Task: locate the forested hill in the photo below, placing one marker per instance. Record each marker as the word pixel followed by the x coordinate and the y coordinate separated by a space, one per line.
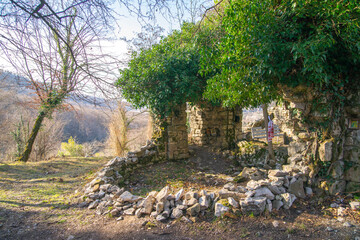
pixel 83 121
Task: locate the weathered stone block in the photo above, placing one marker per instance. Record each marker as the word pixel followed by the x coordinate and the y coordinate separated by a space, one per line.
pixel 220 209
pixel 254 205
pixel 297 188
pixel 325 151
pixel 337 171
pixel 352 187
pixel 337 187
pixel 296 147
pixel 353 174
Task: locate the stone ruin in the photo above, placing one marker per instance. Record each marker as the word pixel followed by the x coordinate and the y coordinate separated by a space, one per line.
pixel 265 190
pixel 209 125
pixel 337 157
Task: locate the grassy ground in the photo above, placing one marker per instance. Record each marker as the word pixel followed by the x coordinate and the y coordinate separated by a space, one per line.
pixel 44 182
pixel 44 186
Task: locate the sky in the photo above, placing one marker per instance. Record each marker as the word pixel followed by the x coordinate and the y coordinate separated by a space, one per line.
pixel 129 26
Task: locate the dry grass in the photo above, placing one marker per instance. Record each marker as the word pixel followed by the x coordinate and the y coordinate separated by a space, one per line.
pixel 118 128
pixel 128 130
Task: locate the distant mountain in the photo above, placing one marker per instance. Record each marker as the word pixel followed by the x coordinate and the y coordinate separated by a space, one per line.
pixel 11 81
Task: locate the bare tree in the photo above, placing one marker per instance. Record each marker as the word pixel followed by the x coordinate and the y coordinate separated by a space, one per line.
pixel 60 61
pixel 55 45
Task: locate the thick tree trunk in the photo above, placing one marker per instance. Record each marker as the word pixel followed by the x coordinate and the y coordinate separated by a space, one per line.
pixel 270 146
pixel 28 148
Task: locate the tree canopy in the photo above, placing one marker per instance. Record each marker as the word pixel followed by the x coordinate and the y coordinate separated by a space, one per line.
pixel 269 43
pixel 165 75
pixel 246 50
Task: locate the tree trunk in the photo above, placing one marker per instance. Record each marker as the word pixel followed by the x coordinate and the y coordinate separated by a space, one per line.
pixel 28 148
pixel 270 146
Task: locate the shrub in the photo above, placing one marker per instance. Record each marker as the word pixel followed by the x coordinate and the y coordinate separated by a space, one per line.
pixel 71 148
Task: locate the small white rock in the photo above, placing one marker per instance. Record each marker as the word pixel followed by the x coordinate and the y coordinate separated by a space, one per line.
pixel 275 223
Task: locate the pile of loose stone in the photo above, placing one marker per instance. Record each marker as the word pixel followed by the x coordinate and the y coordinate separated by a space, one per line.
pixel 266 190
pixel 117 169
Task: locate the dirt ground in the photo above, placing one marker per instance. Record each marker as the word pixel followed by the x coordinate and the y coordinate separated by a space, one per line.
pixel 35 203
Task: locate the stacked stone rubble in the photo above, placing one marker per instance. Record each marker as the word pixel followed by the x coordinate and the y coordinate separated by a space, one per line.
pixel 119 168
pixel 266 190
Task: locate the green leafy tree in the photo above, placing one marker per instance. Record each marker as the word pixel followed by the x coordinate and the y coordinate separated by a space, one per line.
pixel 267 44
pixel 165 75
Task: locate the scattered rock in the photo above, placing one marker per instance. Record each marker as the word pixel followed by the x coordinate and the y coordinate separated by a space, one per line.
pixel 252 173
pixel 179 194
pixel 277 173
pixel 220 209
pixel 148 204
pixel 191 201
pixel 347 224
pixel 230 186
pixel 115 212
pixel 159 207
pixel 355 205
pixel 194 210
pixel 129 211
pixel 277 204
pixel 185 219
pixel 127 197
pixel 224 193
pixel 204 202
pixel 161 218
pixel 176 213
pixel 275 223
pixel 233 203
pixel 138 213
pixel 264 192
pixel 288 199
pixel 297 188
pixel 253 185
pixel 93 204
pixel 162 195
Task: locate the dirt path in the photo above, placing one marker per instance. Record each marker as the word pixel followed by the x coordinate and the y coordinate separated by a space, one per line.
pixel 34 205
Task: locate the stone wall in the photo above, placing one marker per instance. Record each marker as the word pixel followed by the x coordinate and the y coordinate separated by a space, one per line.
pixel 214 125
pixel 177 137
pixel 331 159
